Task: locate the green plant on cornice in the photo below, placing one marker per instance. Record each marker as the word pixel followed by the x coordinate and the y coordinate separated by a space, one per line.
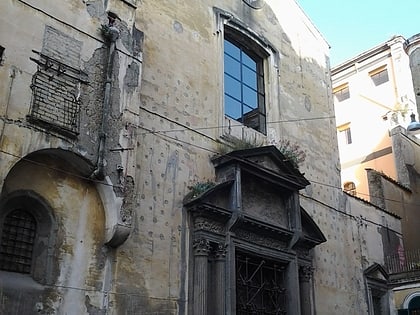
pixel 234 144
pixel 291 151
pixel 200 187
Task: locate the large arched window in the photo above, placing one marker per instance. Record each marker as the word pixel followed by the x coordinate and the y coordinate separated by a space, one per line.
pixel 411 305
pixel 244 90
pixel 244 85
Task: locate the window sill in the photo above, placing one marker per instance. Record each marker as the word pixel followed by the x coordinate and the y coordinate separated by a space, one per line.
pixel 235 129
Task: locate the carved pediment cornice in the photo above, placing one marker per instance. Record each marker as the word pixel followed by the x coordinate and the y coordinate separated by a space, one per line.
pixel 263 228
pixel 267 163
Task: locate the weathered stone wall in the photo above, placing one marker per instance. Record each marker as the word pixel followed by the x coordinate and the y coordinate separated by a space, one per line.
pixel 52 95
pixel 358 235
pixel 165 123
pixel 182 120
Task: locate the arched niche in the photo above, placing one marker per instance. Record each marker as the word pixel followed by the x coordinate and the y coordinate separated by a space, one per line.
pixel 64 163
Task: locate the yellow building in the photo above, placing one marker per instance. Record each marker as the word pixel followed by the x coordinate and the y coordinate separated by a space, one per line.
pixel 373 92
pixel 376 109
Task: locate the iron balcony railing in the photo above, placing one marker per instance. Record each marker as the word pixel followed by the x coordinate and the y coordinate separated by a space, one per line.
pixel 403 261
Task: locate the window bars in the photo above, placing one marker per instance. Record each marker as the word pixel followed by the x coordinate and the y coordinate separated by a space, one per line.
pixel 17 242
pixel 260 286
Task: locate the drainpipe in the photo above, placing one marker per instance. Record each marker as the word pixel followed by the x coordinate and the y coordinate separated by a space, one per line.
pixel 111 37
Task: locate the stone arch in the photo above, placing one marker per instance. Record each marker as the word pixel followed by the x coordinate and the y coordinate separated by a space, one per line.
pixel 411 299
pixel 68 163
pixel 54 185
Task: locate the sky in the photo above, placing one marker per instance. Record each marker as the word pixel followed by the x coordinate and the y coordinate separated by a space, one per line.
pixel 352 27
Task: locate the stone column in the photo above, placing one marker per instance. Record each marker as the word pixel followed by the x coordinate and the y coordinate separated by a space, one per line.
pixel 201 253
pixel 305 277
pixel 220 280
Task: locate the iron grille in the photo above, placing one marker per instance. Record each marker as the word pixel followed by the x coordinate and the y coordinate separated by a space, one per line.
pixel 55 102
pixel 260 286
pixel 17 242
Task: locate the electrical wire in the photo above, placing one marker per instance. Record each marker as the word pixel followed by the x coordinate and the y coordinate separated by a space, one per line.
pixel 197 129
pixel 74 27
pixel 215 153
pixel 164 132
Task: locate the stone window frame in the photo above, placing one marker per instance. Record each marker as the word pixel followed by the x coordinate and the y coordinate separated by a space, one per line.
pixel 377 280
pixel 261 47
pixel 255 118
pixel 212 255
pixel 42 264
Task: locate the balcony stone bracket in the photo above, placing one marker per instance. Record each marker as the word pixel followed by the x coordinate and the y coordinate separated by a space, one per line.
pixel 117 223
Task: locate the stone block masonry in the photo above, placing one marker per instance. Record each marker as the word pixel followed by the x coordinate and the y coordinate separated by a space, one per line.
pixel 61 47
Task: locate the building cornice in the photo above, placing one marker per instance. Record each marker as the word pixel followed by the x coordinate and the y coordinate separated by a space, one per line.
pixel 383 47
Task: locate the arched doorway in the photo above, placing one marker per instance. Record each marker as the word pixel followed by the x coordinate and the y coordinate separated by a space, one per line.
pixel 411 305
pixel 414 305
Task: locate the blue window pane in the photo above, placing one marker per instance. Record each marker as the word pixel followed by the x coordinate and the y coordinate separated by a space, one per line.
pixel 232 108
pixel 250 97
pixel 247 110
pixel 232 66
pixel 232 50
pixel 232 87
pixel 243 84
pixel 248 61
pixel 249 77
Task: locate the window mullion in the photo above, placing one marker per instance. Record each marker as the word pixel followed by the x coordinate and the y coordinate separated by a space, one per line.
pixel 242 85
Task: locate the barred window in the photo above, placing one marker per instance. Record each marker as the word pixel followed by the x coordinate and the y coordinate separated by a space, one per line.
pixel 17 241
pixel 260 286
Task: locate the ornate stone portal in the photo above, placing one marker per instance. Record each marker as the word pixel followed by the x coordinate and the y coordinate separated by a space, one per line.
pixel 251 239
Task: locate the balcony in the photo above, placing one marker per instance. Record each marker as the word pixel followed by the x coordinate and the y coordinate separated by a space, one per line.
pixel 403 266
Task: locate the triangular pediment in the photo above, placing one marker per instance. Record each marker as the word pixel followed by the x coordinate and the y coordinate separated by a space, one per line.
pixel 219 196
pixel 376 272
pixel 265 162
pixel 311 232
pixel 255 196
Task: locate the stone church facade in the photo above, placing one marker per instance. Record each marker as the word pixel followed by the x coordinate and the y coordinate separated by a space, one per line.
pixel 148 164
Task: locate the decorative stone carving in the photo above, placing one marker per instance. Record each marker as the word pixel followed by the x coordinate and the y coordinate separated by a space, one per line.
pixel 220 251
pixel 201 247
pixel 211 226
pixel 303 253
pixel 260 239
pixel 306 273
